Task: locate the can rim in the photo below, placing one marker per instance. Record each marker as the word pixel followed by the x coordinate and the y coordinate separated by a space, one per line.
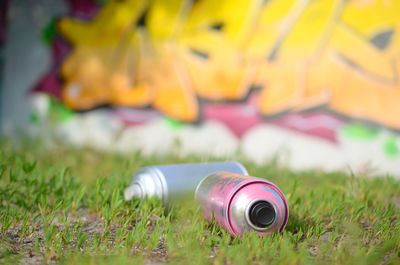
pixel 158 179
pixel 253 180
pixel 247 215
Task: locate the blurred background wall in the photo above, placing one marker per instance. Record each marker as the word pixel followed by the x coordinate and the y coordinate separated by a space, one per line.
pixel 311 84
pixel 24 56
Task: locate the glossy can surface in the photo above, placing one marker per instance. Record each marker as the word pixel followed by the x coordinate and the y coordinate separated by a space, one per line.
pixel 170 181
pixel 242 203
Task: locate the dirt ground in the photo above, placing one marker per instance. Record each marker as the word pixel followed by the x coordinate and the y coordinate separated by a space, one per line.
pixel 26 247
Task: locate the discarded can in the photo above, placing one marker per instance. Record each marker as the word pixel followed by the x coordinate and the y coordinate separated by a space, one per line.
pixel 242 203
pixel 171 181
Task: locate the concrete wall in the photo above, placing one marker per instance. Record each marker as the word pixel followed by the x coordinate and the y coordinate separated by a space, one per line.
pixel 26 58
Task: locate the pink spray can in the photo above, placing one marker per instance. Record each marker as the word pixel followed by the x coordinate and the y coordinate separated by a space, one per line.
pixel 242 203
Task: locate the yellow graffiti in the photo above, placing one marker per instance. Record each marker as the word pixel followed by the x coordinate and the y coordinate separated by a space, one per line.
pixel 334 53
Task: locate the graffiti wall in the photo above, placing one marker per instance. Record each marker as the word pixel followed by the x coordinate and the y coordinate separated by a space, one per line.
pixel 3 12
pixel 310 83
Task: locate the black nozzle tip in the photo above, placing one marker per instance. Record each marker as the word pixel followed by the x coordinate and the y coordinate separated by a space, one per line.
pixel 262 214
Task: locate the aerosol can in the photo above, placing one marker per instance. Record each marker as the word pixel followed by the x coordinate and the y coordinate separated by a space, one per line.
pixel 168 182
pixel 242 203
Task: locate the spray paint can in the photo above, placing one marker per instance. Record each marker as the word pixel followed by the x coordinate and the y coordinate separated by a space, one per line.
pixel 168 182
pixel 242 203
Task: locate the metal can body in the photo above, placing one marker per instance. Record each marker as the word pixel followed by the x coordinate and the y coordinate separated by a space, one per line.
pixel 170 181
pixel 242 203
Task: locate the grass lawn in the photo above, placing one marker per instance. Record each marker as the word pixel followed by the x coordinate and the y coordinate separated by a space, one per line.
pixel 65 205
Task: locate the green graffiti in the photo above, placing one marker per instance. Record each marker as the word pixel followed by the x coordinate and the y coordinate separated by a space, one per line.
pixel 101 2
pixel 359 131
pixel 58 111
pixel 49 31
pixel 390 147
pixel 34 118
pixel 173 124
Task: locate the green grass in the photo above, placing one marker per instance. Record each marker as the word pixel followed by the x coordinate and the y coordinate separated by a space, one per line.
pixel 65 205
